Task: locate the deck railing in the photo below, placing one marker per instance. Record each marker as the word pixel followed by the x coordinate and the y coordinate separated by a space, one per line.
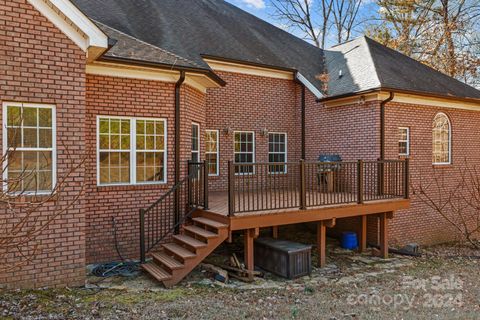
pixel 285 185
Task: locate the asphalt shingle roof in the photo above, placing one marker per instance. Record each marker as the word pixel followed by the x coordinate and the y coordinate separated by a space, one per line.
pixel 131 48
pixel 366 65
pixel 183 32
pixel 195 28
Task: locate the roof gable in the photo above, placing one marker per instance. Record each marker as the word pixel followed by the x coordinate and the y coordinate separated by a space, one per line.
pixel 73 23
pixel 368 65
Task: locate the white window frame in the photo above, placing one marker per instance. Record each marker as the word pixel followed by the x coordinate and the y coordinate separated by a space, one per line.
pixel 217 153
pixel 133 152
pixel 253 152
pixel 53 149
pixel 407 141
pixel 286 152
pixel 195 124
pixel 449 140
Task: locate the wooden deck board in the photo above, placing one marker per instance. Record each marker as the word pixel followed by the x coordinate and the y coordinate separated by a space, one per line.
pixel 218 206
pixel 281 201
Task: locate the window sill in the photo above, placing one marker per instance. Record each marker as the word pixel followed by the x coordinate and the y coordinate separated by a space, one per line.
pixel 33 198
pixel 442 165
pixel 128 187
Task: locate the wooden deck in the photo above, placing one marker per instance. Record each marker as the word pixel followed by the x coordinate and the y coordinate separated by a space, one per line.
pixel 310 192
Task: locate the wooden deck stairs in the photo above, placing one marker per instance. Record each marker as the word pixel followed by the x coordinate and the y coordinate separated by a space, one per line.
pixel 177 259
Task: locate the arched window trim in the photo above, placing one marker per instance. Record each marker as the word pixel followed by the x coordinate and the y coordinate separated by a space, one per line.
pixel 449 139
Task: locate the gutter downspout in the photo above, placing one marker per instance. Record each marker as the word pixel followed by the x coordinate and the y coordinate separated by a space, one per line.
pixel 382 124
pixel 178 85
pixel 303 122
pixel 381 167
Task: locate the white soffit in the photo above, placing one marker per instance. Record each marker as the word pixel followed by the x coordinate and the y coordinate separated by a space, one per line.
pixel 71 21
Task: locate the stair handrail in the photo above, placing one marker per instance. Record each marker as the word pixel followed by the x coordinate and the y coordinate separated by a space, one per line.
pixel 142 212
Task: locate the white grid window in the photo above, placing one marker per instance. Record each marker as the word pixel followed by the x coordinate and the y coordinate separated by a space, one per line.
pixel 29 145
pixel 150 145
pixel 403 141
pixel 195 142
pixel 441 143
pixel 211 151
pixel 277 152
pixel 131 150
pixel 244 151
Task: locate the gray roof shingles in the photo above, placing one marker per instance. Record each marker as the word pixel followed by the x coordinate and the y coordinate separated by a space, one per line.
pixel 195 28
pixel 182 32
pixel 368 65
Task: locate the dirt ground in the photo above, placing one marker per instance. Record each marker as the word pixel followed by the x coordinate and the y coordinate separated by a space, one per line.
pixel 442 284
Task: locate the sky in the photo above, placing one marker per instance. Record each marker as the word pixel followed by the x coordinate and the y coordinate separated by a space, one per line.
pixel 263 10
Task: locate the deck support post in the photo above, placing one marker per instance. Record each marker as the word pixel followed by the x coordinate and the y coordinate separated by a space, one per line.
pixel 248 247
pixel 275 232
pixel 384 234
pixel 303 186
pixel 363 234
pixel 321 242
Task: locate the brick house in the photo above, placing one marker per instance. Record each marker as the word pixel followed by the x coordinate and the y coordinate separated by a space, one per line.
pixel 128 94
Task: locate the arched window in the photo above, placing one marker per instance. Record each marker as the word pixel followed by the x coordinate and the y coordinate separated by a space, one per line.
pixel 441 139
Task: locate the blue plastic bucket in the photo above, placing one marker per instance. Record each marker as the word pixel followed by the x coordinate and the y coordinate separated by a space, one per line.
pixel 349 240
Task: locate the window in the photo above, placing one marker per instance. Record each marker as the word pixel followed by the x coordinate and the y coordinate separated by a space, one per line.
pixel 277 152
pixel 403 141
pixel 195 142
pixel 244 146
pixel 441 143
pixel 29 144
pixel 150 150
pixel 131 150
pixel 211 151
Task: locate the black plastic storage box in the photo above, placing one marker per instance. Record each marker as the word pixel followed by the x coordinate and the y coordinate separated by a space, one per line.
pixel 284 258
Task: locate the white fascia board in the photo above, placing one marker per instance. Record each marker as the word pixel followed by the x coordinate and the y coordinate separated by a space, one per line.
pixel 78 27
pixel 309 85
pixel 96 36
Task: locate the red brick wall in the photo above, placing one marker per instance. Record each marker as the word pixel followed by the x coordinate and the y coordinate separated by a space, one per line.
pixel 39 64
pixel 421 224
pixel 351 131
pixel 131 98
pixel 253 103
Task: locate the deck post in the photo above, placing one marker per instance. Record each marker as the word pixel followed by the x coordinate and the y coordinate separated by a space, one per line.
pixel 360 181
pixel 205 184
pixel 231 190
pixel 381 177
pixel 248 247
pixel 406 180
pixel 275 232
pixel 384 235
pixel 363 234
pixel 303 186
pixel 321 243
pixel 189 184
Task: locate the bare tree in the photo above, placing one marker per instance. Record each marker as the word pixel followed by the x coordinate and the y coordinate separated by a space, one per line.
pixel 345 14
pixel 443 34
pixel 455 200
pixel 316 20
pixel 25 216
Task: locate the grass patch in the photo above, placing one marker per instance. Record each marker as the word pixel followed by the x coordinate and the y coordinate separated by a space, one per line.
pixel 128 298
